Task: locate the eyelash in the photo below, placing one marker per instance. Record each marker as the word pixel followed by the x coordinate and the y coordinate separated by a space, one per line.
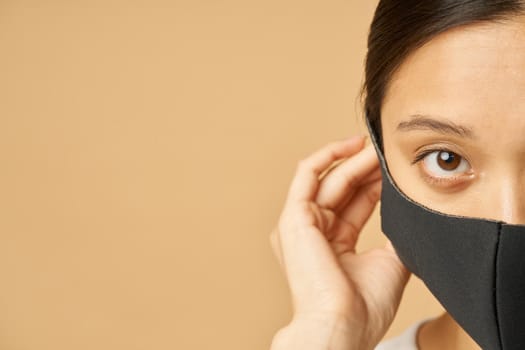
pixel 420 156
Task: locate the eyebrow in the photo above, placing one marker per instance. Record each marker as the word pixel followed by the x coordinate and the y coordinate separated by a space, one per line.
pixel 440 125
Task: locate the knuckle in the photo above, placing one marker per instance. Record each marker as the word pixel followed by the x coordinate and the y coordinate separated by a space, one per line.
pixel 373 195
pixel 281 228
pixel 273 235
pixel 332 150
pixel 302 164
pixel 333 144
pixel 272 242
pixel 350 179
pixel 286 228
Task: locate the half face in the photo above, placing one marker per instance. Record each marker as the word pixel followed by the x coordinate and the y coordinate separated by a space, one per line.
pixel 453 122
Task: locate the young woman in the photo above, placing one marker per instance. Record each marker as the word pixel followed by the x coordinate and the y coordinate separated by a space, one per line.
pixel 445 97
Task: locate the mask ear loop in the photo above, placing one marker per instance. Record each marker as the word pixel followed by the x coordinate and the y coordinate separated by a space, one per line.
pixel 384 166
pixel 388 186
pixel 375 138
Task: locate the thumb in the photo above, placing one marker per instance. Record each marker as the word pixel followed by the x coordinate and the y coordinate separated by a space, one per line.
pixel 405 273
pixel 390 246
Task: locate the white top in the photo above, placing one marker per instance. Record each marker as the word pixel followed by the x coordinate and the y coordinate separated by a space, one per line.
pixel 405 341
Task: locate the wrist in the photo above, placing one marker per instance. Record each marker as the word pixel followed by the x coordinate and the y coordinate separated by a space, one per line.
pixel 321 332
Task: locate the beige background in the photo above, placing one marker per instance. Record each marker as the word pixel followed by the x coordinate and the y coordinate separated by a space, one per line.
pixel 146 148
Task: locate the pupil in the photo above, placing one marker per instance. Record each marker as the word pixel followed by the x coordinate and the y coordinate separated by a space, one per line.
pixel 448 160
pixel 447 157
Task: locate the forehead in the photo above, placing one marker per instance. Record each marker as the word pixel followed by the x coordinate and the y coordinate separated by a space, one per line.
pixel 473 74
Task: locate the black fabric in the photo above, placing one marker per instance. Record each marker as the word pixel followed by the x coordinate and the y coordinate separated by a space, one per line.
pixel 475 267
pixel 510 286
pixel 456 271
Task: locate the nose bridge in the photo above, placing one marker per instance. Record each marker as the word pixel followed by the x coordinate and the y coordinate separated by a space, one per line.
pixel 510 196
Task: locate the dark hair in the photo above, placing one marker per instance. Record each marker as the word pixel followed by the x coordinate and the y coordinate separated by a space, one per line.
pixel 399 27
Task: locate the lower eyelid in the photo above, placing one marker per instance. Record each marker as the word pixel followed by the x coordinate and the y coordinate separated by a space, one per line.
pixel 446 181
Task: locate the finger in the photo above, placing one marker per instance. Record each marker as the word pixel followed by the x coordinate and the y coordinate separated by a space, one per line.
pixel 389 247
pixel 311 268
pixel 306 181
pixel 341 183
pixel 374 176
pixel 356 214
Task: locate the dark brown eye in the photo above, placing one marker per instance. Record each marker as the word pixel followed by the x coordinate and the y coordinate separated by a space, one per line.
pixel 443 163
pixel 448 160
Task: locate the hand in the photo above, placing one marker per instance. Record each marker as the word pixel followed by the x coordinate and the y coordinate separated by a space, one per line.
pixel 356 295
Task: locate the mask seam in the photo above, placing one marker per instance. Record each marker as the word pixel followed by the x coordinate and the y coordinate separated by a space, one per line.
pixel 496 265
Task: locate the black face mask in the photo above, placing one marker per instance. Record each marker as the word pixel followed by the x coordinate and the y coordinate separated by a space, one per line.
pixel 475 267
